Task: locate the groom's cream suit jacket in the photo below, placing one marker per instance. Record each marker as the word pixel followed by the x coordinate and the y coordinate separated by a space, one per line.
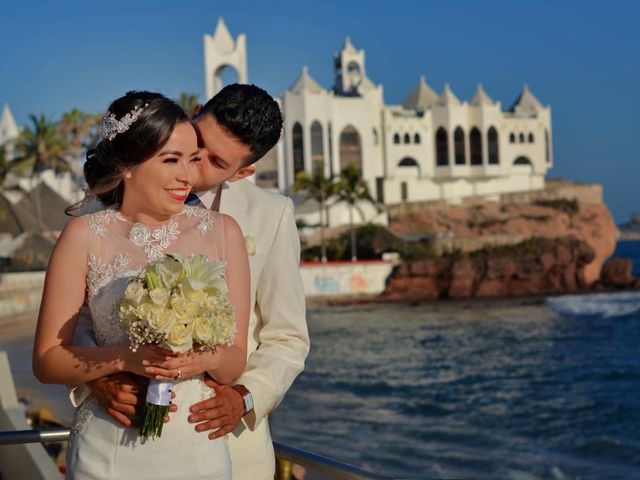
pixel 278 338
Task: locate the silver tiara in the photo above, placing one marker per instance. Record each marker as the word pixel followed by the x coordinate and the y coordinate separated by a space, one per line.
pixel 111 126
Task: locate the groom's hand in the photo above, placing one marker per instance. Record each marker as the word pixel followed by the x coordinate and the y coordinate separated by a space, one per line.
pixel 222 412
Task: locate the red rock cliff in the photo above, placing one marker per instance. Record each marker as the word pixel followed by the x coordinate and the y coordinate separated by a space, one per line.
pixel 562 210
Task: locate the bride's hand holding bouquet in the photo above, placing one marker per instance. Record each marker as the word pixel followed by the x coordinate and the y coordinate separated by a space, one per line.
pixel 179 304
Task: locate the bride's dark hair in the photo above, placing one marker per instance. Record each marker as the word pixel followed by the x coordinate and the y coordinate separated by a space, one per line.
pixel 145 136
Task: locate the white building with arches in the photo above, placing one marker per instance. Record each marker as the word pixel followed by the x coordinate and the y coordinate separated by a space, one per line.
pixel 430 147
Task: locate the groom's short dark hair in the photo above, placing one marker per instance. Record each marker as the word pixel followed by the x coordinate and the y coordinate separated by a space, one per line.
pixel 250 115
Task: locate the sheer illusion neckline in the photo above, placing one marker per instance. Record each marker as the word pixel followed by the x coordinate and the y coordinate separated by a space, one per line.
pixel 154 240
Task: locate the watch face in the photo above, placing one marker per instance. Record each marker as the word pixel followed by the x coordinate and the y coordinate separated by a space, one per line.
pixel 248 402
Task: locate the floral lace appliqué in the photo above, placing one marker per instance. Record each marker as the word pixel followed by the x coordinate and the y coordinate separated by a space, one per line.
pixel 156 241
pixel 100 274
pixel 206 218
pixel 83 414
pixel 99 220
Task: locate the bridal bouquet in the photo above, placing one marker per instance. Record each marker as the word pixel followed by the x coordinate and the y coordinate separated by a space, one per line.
pixel 178 303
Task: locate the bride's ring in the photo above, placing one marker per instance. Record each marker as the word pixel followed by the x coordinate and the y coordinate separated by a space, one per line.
pixel 179 376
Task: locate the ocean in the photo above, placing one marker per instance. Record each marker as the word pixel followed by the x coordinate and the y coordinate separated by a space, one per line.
pixel 517 389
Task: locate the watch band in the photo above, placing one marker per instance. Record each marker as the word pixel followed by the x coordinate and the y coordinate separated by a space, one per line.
pixel 247 398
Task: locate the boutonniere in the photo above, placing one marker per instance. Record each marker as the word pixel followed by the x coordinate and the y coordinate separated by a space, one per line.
pixel 250 244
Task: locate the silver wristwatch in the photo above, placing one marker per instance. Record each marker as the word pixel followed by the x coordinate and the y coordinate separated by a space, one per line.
pixel 247 398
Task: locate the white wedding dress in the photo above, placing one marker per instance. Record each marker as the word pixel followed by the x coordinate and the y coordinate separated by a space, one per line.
pixel 100 447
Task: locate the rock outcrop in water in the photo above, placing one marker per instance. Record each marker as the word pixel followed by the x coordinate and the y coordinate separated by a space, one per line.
pixel 617 273
pixel 539 266
pixel 535 243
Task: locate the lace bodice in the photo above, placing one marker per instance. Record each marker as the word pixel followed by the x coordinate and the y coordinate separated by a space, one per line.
pixel 118 250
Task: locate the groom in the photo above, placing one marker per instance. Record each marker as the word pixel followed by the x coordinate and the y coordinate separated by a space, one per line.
pixel 239 126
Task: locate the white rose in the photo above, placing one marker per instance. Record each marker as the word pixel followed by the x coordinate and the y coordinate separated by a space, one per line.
pixel 250 244
pixel 160 319
pixel 202 330
pixel 179 307
pixel 159 296
pixel 135 293
pixel 143 309
pixel 179 338
pixel 193 309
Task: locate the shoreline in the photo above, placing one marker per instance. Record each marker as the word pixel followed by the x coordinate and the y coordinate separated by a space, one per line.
pixel 346 300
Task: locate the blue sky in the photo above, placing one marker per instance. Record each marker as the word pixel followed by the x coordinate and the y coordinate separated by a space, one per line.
pixel 582 58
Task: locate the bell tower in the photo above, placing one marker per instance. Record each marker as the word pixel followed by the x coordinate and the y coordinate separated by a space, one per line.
pixel 349 71
pixel 220 51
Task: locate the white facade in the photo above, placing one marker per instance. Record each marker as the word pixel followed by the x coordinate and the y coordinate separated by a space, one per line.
pixel 431 147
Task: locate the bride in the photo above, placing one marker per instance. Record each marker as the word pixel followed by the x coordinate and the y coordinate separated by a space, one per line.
pixel 142 171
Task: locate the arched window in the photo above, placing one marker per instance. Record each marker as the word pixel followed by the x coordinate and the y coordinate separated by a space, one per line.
pixel 416 139
pixel 396 138
pixel 547 147
pixel 458 146
pixel 475 146
pixel 522 161
pixel 442 148
pixel 492 142
pixel 408 162
pixel 298 148
pixel 375 136
pixel 317 147
pixel 521 138
pixel 407 138
pixel 408 167
pixel 530 137
pixel 224 75
pixel 512 138
pixel 350 149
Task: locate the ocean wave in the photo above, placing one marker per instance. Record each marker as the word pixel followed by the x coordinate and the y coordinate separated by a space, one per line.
pixel 604 305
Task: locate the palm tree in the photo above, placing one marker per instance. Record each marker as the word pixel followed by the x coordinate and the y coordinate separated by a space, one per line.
pixel 350 189
pixel 188 102
pixel 80 129
pixel 39 148
pixel 319 188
